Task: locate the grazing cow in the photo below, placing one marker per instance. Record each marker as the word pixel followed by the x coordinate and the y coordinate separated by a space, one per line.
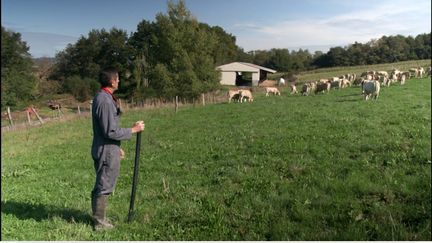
pixel 306 89
pixel 323 87
pixel 323 80
pixel 420 72
pixel 293 88
pixel 333 79
pixel 358 81
pixel 233 95
pixel 383 73
pixel 402 79
pixel 395 71
pixel 272 90
pixel 245 93
pixel 54 105
pixel 408 74
pixel 393 78
pixel 371 88
pixel 414 72
pixel 345 83
pixel 313 85
pixel 336 84
pixel 281 82
pixel 385 81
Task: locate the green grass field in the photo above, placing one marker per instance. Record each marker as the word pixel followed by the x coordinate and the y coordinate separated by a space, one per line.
pixel 322 167
pixel 339 71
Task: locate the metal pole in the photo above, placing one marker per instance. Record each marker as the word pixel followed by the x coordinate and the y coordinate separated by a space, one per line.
pixel 135 177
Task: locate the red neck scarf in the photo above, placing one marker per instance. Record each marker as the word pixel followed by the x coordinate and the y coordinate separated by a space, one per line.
pixel 110 92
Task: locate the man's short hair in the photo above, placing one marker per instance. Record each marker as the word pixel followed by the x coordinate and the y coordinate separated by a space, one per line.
pixel 106 75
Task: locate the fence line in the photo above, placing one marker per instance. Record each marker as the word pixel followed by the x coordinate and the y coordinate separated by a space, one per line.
pixel 146 104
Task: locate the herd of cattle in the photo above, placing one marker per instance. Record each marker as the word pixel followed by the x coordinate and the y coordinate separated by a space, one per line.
pixel 370 82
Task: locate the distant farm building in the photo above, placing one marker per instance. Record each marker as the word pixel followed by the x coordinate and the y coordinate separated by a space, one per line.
pixel 243 74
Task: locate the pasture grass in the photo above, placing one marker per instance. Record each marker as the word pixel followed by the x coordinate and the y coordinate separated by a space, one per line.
pixel 320 73
pixel 323 167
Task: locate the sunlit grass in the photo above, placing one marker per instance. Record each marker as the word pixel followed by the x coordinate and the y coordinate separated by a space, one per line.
pixel 322 167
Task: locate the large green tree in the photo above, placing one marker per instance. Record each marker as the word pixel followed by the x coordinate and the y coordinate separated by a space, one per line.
pixel 18 84
pixel 88 55
pixel 179 53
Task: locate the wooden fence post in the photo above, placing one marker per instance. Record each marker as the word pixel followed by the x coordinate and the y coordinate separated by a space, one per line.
pixel 28 117
pixel 203 99
pixel 90 106
pixel 79 111
pixel 37 115
pixel 176 103
pixel 60 113
pixel 10 117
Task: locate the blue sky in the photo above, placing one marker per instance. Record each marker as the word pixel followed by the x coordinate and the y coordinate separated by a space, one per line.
pixel 47 26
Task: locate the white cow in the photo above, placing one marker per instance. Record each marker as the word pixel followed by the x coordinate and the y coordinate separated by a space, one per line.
pixel 345 83
pixel 233 95
pixel 244 93
pixel 272 90
pixel 383 73
pixel 281 82
pixel 420 72
pixel 293 89
pixel 371 88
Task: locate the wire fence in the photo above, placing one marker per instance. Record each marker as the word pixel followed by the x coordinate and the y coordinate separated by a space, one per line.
pixel 35 116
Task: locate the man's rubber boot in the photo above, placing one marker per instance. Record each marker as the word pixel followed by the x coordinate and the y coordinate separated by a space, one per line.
pixel 100 221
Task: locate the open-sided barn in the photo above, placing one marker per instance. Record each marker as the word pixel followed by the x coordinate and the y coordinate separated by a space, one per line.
pixel 243 74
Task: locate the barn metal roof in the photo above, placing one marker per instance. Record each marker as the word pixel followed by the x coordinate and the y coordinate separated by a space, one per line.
pixel 243 67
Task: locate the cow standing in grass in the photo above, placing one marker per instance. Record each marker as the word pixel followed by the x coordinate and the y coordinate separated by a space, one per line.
pixel 371 88
pixel 281 82
pixel 323 87
pixel 293 88
pixel 233 95
pixel 272 90
pixel 306 89
pixel 244 93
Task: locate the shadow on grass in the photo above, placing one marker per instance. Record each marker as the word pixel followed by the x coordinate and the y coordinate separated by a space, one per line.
pixel 41 212
pixel 349 100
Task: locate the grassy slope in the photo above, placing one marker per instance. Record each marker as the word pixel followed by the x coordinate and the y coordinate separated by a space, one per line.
pixel 339 71
pixel 324 167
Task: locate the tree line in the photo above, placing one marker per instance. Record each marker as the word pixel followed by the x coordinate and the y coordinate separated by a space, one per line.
pixel 174 55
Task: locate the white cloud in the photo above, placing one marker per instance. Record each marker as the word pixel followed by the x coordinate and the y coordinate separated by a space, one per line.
pixel 361 25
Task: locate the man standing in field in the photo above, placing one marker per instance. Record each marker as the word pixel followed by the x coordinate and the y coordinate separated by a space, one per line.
pixel 106 151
